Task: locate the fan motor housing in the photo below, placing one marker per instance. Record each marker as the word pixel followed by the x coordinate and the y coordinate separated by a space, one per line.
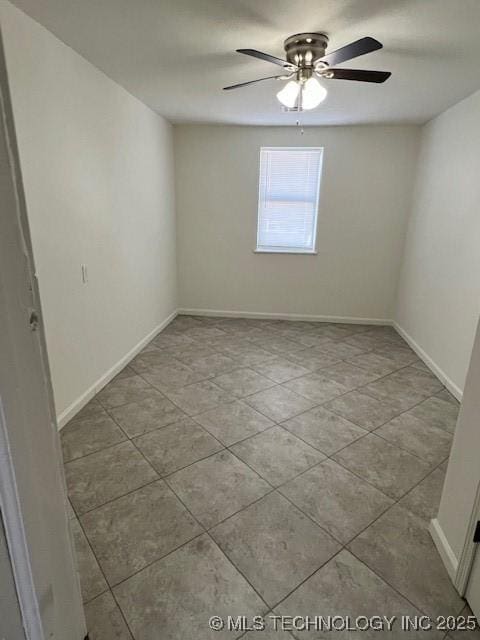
pixel 305 49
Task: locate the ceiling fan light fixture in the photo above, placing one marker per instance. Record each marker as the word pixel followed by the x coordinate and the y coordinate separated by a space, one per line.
pixel 289 94
pixel 312 94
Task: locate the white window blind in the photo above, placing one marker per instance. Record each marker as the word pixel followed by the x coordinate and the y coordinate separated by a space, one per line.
pixel 289 189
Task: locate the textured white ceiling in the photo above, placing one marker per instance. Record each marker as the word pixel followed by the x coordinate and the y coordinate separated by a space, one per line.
pixel 176 55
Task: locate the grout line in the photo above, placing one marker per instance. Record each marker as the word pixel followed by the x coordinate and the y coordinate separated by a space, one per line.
pixel 275 423
pixel 248 437
pixel 230 561
pixel 122 495
pixel 346 546
pixel 165 555
pixel 109 589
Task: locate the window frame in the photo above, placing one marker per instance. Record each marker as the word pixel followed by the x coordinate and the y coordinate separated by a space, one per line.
pixel 290 250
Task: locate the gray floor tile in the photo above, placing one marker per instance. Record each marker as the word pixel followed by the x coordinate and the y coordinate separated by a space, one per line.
pixel 364 410
pixel 341 350
pixel 126 372
pixel 281 370
pixel 82 437
pixel 213 365
pixel 232 422
pixel 316 387
pixel 445 394
pixel 324 430
pixel 348 375
pixel 417 437
pixel 366 340
pixel 438 413
pixel 386 332
pixel 199 397
pixel 153 412
pixel 135 530
pixel 399 353
pixel 374 362
pixel 183 322
pixel 171 340
pixel 313 361
pixel 296 330
pixel 204 333
pixel 148 348
pixel 393 389
pixel 243 382
pixel 423 381
pixel 123 391
pixel 280 346
pixel 104 619
pixel 217 487
pixel 424 499
pixel 231 342
pixel 346 587
pixel 173 375
pixel 92 582
pixel 339 331
pixel 310 339
pixel 105 475
pixel 398 547
pixel 277 455
pixel 279 403
pixel 340 502
pixel 151 359
pixel 253 334
pixel 390 469
pixel 190 354
pixel 274 545
pixel 91 408
pixel 179 593
pixel 419 364
pixel 177 445
pixel 247 354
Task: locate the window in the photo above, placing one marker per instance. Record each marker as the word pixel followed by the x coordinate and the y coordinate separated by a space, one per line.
pixel 289 188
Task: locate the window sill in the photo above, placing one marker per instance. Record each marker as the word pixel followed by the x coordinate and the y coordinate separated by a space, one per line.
pixel 289 251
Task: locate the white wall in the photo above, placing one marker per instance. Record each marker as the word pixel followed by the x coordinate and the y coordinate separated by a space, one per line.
pixel 439 292
pixel 98 174
pixel 365 199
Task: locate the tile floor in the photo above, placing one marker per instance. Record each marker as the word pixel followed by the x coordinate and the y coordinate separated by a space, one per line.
pixel 242 467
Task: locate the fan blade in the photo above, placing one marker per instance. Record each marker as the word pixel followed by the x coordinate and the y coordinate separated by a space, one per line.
pixel 358 74
pixel 245 84
pixel 352 50
pixel 266 56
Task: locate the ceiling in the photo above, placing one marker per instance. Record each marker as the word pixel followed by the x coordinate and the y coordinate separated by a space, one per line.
pixel 176 55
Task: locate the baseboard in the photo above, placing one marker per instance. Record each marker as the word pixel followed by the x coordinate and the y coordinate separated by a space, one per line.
pixel 80 402
pixel 260 315
pixel 444 549
pixel 441 375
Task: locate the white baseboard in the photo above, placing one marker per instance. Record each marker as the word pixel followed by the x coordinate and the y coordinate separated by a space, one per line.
pixel 441 375
pixel 260 315
pixel 444 549
pixel 80 402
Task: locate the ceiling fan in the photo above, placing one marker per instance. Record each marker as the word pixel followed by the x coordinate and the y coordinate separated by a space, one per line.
pixel 306 59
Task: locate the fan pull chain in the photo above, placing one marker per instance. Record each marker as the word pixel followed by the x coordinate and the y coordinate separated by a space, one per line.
pixel 301 127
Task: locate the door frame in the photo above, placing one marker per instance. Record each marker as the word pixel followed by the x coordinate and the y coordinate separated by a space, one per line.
pixel 16 538
pixel 465 562
pixel 32 485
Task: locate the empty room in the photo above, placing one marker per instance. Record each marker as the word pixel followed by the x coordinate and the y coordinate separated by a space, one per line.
pixel 239 300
